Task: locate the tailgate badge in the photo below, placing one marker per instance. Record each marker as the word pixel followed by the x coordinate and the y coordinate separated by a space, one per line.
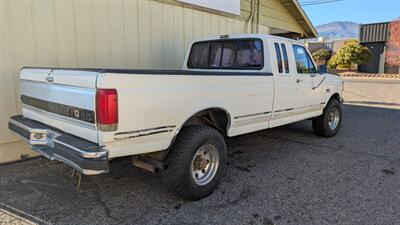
pixel 49 79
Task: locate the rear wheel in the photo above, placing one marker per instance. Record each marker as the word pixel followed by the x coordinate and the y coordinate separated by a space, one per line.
pixel 196 162
pixel 328 124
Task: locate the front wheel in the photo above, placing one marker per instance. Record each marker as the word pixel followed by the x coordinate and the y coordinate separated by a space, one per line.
pixel 196 162
pixel 328 124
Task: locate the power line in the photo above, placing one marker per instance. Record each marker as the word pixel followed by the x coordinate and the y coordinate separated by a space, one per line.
pixel 315 1
pixel 318 2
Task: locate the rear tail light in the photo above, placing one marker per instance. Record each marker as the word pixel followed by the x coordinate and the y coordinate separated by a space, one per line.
pixel 107 109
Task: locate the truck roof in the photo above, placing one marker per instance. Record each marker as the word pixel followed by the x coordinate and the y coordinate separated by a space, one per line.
pixel 235 36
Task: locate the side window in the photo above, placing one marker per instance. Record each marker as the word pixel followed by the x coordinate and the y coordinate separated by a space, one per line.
pixel 285 58
pixel 301 57
pixel 278 57
pixel 199 55
pixel 250 54
pixel 215 54
pixel 223 54
pixel 229 54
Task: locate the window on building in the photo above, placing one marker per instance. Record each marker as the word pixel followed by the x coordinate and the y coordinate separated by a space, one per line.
pixel 278 57
pixel 229 54
pixel 285 58
pixel 304 63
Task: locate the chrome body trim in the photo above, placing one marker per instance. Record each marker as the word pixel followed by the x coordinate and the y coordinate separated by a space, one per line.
pixel 283 110
pixel 144 132
pixel 255 114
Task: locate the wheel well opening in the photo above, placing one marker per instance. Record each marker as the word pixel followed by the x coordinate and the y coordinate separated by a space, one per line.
pixel 335 96
pixel 216 118
pixel 213 117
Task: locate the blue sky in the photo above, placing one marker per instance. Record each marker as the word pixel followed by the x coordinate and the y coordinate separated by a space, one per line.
pixel 359 11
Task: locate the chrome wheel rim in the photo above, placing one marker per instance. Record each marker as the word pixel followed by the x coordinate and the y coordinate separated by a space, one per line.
pixel 205 164
pixel 333 118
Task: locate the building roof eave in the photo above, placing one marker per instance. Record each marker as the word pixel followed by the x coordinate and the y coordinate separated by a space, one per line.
pixel 301 17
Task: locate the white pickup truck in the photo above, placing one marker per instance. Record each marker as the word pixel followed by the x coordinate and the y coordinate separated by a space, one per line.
pixel 175 121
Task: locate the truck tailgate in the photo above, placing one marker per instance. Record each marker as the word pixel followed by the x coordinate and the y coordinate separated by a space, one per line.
pixel 64 99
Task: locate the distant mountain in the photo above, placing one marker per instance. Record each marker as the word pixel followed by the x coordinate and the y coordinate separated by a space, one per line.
pixel 339 29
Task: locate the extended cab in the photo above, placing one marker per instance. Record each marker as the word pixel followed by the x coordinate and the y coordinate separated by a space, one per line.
pixel 175 121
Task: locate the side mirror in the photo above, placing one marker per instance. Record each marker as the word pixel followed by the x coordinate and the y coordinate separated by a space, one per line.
pixel 322 69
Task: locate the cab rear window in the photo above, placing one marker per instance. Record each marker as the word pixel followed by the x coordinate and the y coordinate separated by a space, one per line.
pixel 245 54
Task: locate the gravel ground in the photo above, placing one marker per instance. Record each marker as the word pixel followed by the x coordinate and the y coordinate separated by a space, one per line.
pixel 370 75
pixel 285 175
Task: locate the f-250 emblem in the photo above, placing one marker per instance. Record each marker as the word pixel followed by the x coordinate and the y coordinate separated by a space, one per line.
pixel 81 114
pixel 76 113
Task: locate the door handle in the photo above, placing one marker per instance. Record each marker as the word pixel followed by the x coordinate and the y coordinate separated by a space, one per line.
pixel 299 80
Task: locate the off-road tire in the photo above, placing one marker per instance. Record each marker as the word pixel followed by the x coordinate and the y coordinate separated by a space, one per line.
pixel 321 123
pixel 178 176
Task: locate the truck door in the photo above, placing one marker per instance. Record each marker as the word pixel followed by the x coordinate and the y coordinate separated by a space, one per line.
pixel 305 71
pixel 319 90
pixel 287 84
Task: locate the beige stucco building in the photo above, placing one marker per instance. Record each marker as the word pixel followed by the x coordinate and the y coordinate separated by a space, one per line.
pixel 118 34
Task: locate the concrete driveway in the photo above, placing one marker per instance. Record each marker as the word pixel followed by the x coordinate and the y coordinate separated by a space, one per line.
pixel 285 175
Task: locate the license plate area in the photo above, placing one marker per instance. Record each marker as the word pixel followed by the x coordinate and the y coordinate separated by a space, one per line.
pixel 42 137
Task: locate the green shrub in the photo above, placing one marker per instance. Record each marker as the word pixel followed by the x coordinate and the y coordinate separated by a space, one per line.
pixel 352 53
pixel 321 55
pixel 332 63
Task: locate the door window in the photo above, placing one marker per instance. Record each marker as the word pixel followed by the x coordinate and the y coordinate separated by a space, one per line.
pixel 311 65
pixel 304 64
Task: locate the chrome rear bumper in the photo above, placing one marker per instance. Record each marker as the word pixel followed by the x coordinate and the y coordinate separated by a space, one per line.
pixel 84 156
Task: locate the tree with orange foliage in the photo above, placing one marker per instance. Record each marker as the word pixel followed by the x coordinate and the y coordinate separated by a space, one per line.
pixel 393 45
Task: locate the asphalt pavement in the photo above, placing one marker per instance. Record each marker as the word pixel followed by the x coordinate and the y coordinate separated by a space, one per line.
pixel 285 175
